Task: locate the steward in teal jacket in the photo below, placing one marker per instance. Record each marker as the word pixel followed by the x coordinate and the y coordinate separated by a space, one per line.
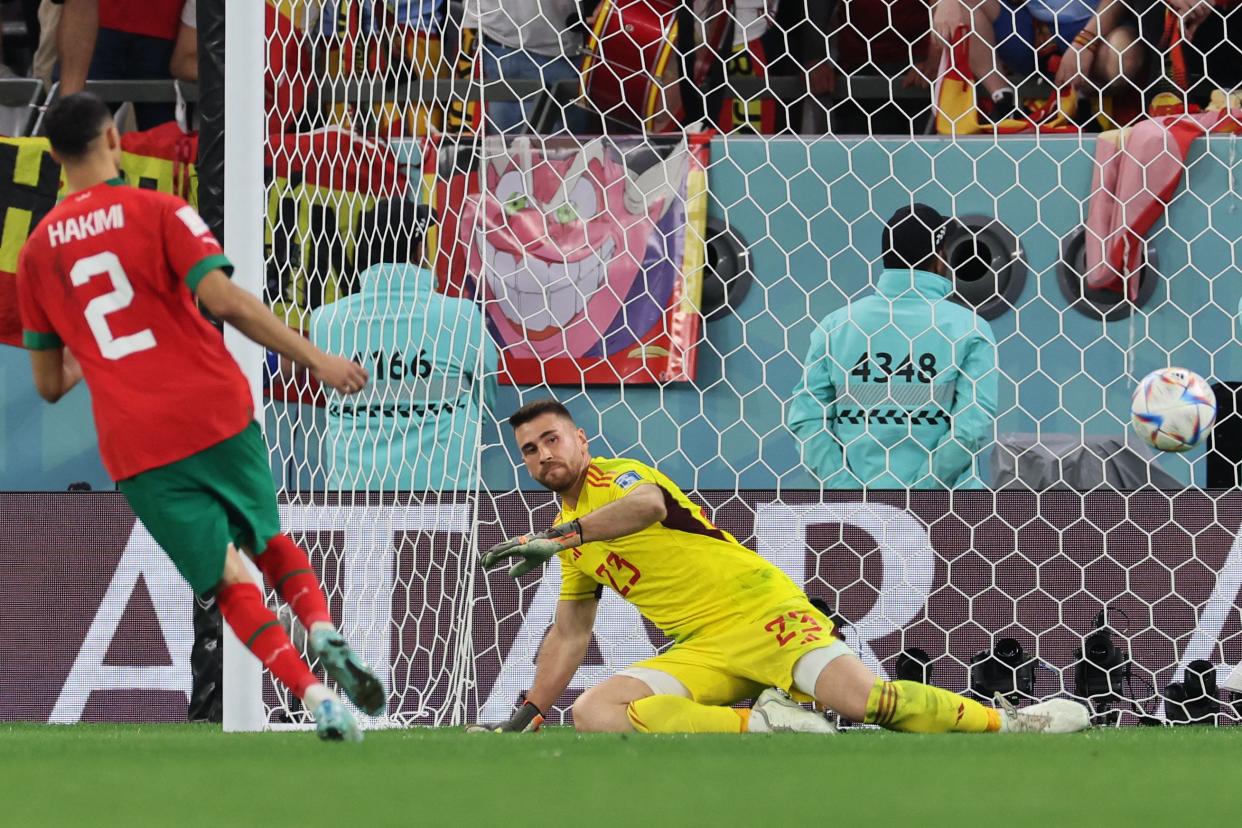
pixel 417 425
pixel 898 390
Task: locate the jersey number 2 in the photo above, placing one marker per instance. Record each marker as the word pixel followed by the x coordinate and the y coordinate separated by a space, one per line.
pixel 97 310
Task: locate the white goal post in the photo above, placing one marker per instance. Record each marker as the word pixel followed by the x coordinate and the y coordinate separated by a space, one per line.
pixel 243 244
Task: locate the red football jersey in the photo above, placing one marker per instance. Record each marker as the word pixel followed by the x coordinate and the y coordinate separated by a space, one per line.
pixel 152 18
pixel 109 274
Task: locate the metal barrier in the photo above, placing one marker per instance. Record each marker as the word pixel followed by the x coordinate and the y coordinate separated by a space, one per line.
pixel 785 88
pixel 29 92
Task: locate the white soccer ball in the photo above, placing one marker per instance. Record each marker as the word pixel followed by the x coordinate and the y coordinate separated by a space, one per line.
pixel 1173 409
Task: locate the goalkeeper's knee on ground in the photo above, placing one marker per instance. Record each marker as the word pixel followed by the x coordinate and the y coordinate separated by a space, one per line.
pixel 674 714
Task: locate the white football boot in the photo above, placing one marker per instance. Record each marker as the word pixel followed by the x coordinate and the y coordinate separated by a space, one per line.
pixel 775 712
pixel 1234 680
pixel 1052 716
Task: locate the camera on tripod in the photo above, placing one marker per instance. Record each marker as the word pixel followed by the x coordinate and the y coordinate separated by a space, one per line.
pixel 1193 700
pixel 1005 669
pixel 1100 670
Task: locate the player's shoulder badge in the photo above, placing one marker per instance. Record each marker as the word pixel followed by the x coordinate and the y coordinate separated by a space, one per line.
pixel 628 479
pixel 193 221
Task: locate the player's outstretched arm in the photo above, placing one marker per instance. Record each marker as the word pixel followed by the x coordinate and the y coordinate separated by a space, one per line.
pixel 560 656
pixel 562 651
pixel 636 511
pixel 231 304
pixel 643 506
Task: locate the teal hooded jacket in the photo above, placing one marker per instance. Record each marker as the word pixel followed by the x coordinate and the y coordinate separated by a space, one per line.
pixel 417 425
pixel 898 390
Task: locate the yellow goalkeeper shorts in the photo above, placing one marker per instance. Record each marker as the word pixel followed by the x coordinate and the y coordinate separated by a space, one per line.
pixel 725 666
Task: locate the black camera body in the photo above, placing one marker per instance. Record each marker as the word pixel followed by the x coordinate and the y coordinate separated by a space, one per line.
pixel 1005 669
pixel 1193 699
pixel 913 664
pixel 1100 669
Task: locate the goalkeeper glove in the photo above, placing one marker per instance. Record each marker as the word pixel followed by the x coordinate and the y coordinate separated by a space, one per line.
pixel 526 719
pixel 534 549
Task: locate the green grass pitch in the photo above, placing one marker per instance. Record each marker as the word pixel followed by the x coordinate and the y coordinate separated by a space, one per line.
pixel 190 775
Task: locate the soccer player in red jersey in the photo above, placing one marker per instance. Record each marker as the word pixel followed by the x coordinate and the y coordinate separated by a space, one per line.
pixel 106 285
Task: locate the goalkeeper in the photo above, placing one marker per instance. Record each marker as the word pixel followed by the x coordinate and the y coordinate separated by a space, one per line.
pixel 741 627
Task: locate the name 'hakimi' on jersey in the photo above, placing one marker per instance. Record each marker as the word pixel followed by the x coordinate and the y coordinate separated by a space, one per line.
pixel 76 228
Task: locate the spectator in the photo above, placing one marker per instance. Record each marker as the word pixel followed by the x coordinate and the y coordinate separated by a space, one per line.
pixel 899 388
pixel 808 35
pixel 747 58
pixel 1213 48
pixel 394 41
pixel 776 38
pixel 1094 44
pixel 184 62
pixel 43 65
pixel 887 38
pixel 119 40
pixel 528 40
pixel 420 25
pixel 287 83
pixel 433 368
pixel 1098 49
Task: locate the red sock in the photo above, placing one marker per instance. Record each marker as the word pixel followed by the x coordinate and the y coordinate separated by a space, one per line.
pixel 243 608
pixel 288 571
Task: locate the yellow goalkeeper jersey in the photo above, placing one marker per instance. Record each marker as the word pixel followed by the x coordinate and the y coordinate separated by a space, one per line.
pixel 683 574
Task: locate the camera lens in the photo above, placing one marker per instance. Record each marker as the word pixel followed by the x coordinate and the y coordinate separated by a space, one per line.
pixel 1099 646
pixel 1008 650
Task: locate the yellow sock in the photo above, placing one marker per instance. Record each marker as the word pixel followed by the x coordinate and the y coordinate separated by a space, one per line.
pixel 674 714
pixel 921 708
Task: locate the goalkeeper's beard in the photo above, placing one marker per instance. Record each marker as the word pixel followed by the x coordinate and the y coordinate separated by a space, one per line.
pixel 559 486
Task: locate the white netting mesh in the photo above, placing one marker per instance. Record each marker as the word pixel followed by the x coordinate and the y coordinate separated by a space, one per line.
pixel 442 207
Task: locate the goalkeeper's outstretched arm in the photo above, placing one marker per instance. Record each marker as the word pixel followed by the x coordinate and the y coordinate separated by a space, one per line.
pixel 562 651
pixel 632 513
pixel 643 506
pixel 559 657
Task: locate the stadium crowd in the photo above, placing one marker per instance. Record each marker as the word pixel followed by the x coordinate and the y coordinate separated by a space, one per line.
pixel 864 66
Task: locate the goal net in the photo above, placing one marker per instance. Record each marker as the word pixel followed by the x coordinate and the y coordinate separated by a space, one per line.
pixel 646 212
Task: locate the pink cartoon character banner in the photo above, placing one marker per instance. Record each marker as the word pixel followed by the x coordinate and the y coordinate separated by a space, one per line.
pixel 587 259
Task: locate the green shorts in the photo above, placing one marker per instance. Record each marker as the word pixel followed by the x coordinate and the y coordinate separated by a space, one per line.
pixel 196 507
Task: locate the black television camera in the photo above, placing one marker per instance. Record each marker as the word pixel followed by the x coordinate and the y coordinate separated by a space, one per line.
pixel 1099 671
pixel 1193 699
pixel 914 664
pixel 1005 669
